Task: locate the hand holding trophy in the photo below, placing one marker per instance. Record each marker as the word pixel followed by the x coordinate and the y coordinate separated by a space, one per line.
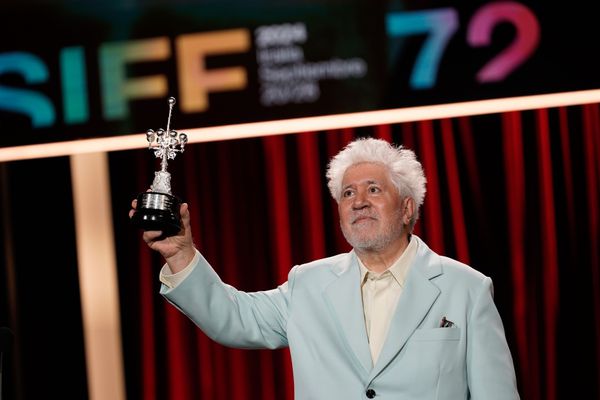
pixel 157 209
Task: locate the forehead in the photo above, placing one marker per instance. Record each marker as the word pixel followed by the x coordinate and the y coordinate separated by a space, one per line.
pixel 365 173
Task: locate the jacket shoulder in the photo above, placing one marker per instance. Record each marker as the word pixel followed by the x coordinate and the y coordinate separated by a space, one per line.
pixel 324 268
pixel 325 263
pixel 460 277
pixel 438 266
pixel 452 266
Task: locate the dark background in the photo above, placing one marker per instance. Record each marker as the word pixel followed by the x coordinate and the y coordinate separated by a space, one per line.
pixel 562 60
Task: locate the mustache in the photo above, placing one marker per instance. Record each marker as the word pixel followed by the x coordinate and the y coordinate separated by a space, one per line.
pixel 363 214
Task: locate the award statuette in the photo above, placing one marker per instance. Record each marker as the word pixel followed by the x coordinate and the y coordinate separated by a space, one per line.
pixel 157 209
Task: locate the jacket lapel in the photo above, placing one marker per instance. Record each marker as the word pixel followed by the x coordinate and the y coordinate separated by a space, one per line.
pixel 344 297
pixel 416 300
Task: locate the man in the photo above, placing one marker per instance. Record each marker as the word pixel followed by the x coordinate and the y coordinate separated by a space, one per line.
pixel 390 319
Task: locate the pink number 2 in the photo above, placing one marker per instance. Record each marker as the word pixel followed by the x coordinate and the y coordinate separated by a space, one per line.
pixel 525 42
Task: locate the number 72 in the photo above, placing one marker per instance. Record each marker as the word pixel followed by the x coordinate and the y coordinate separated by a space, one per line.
pixel 440 24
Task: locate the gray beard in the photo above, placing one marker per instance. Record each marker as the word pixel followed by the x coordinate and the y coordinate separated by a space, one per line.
pixel 379 241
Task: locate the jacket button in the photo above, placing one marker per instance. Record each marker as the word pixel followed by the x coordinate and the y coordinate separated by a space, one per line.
pixel 370 393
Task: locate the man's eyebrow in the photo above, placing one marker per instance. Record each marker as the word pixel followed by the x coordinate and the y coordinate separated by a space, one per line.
pixel 369 182
pixel 372 182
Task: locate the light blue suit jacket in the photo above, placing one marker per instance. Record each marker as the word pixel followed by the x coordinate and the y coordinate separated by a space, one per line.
pixel 318 313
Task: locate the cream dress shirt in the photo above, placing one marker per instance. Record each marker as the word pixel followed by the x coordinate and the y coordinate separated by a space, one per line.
pixel 170 279
pixel 380 293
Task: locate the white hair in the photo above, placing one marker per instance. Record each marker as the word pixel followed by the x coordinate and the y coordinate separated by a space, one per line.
pixel 406 171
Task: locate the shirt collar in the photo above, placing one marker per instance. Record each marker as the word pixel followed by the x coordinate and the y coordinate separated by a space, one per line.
pixel 399 269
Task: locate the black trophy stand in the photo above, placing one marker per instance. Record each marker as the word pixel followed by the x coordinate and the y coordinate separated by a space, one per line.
pixel 158 212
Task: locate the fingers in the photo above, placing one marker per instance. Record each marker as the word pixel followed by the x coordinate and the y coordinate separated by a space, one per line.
pixel 133 208
pixel 168 246
pixel 185 219
pixel 185 213
pixel 151 236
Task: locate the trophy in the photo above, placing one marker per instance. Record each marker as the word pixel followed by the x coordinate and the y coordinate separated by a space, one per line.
pixel 157 209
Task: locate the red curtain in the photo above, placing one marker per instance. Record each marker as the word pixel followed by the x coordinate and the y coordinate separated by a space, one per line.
pixel 515 195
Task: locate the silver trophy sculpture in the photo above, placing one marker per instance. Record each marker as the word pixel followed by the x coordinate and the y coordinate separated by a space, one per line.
pixel 157 209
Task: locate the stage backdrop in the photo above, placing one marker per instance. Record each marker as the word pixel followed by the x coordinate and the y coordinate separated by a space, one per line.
pixel 515 195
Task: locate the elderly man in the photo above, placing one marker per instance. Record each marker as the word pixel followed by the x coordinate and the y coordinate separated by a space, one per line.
pixel 390 319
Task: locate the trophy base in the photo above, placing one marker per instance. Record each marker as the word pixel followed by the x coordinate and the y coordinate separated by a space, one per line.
pixel 158 212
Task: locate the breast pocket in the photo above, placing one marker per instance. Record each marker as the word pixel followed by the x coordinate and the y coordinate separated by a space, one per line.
pixel 436 334
pixel 432 353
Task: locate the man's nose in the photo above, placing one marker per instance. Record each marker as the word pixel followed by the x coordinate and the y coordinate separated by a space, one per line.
pixel 360 200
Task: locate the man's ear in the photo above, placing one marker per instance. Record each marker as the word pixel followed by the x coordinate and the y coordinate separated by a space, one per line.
pixel 408 210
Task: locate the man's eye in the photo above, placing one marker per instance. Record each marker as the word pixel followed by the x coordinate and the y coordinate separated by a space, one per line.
pixel 374 189
pixel 347 193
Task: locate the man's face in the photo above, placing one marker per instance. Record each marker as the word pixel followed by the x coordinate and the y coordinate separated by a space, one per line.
pixel 371 212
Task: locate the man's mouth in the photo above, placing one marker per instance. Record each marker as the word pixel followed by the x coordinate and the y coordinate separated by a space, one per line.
pixel 361 218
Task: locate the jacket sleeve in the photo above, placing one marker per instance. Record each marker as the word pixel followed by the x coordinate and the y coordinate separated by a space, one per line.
pixel 490 369
pixel 229 316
